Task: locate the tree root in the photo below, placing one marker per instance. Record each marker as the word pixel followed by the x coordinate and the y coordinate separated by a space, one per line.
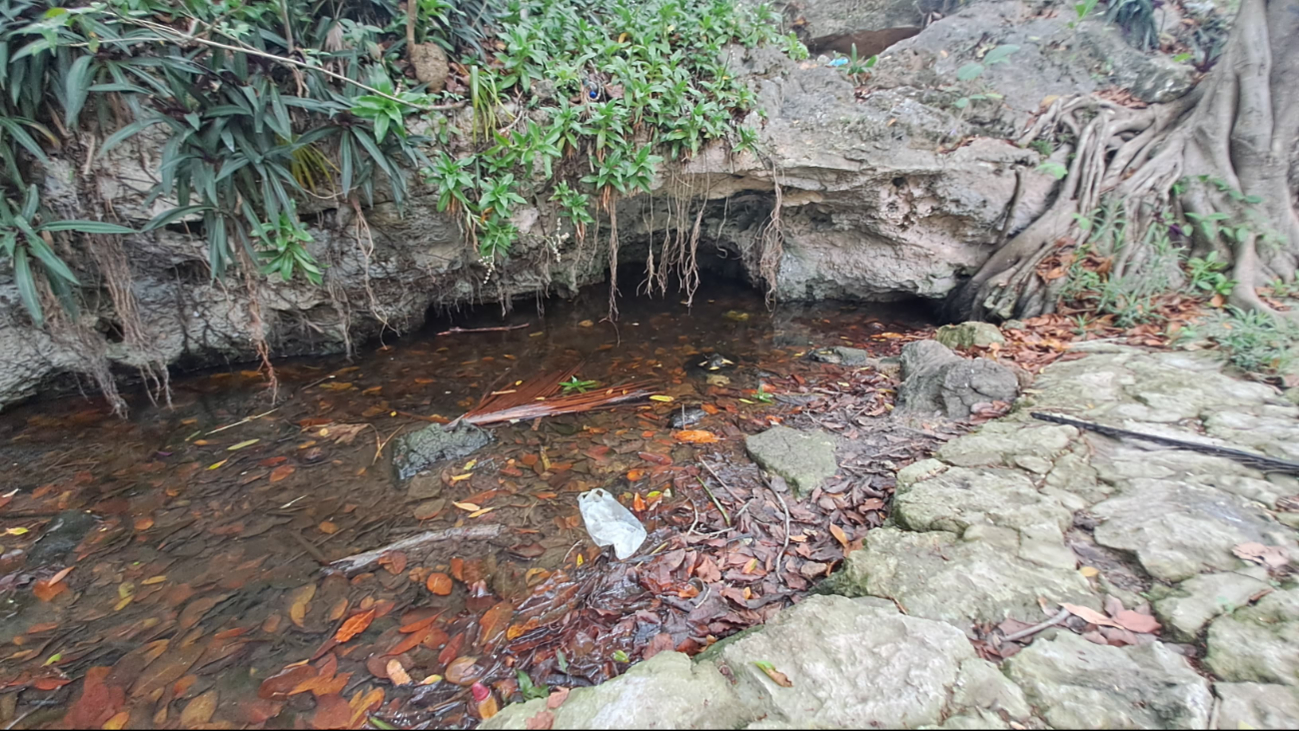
pixel 1220 154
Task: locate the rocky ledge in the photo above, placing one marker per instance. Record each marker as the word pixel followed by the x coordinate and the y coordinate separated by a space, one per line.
pixel 1005 524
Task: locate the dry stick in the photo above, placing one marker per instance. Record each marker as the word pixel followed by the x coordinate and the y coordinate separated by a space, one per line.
pixel 503 328
pixel 1057 619
pixel 785 508
pixel 242 421
pixel 725 516
pixel 417 544
pixel 309 547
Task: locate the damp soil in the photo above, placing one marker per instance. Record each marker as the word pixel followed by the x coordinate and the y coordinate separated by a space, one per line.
pixel 172 569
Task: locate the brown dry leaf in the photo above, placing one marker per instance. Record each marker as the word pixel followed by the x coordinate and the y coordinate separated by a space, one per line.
pixel 839 535
pixel 327 527
pixel 331 712
pixel 281 472
pixel 439 584
pixel 396 673
pixel 46 590
pixel 556 698
pixel 199 711
pixel 300 601
pixel 1089 615
pixel 395 562
pixel 363 703
pixel 463 670
pixel 540 722
pixel 1273 557
pixel 493 624
pixel 355 625
pixel 1137 622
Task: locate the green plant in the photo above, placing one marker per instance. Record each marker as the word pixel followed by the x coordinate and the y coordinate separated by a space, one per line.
pixel 1207 275
pixel 26 238
pixel 857 67
pixel 762 395
pixel 528 689
pixel 576 385
pixel 1082 10
pixel 974 69
pixel 1255 341
pixel 283 248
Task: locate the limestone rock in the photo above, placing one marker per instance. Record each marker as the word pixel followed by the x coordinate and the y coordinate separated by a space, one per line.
pixel 936 575
pixel 969 334
pixel 667 691
pixel 936 379
pixel 962 497
pixel 1178 529
pixel 1258 643
pixel 803 459
pixel 1076 684
pixel 1201 598
pixel 1008 443
pixel 1256 705
pixel 863 665
pixel 417 451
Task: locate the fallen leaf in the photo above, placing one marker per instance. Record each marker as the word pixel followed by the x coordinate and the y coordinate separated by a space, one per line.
pixel 439 584
pixel 1089 615
pixel 281 472
pixel 117 722
pixel 556 698
pixel 199 710
pixel 1089 571
pixel 839 535
pixel 468 507
pixel 355 625
pixel 463 670
pixel 695 436
pixel 541 721
pixel 1273 557
pixel 396 673
pixel 46 590
pixel 662 398
pixel 332 712
pixel 241 445
pixel 327 527
pixel 1136 621
pixel 634 475
pixel 301 600
pixel 780 678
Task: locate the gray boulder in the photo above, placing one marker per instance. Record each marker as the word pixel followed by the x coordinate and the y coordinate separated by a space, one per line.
pixel 934 379
pixel 1260 643
pixel 803 459
pixel 969 334
pixel 415 452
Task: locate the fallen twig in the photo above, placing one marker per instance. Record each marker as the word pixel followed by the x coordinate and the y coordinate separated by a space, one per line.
pixel 416 546
pixel 309 547
pixel 255 417
pixel 725 516
pixel 1057 619
pixel 503 328
pixel 780 559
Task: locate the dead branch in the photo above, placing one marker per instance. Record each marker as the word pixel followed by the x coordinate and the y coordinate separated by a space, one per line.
pixel 503 328
pixel 416 546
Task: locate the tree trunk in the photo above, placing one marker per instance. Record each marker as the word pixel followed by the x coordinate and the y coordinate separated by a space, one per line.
pixel 1223 159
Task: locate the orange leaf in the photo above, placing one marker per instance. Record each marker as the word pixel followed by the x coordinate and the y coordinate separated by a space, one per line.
pixel 709 409
pixel 638 503
pixel 394 562
pixel 46 590
pixel 695 436
pixel 494 623
pixel 396 673
pixel 301 601
pixel 354 626
pixel 327 527
pixel 281 472
pixel 199 711
pixel 362 704
pixel 409 642
pixel 117 722
pixel 439 584
pixel 458 568
pixel 635 475
pixel 332 712
pixel 839 535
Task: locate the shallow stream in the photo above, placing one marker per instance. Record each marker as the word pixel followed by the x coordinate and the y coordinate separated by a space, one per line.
pixel 167 570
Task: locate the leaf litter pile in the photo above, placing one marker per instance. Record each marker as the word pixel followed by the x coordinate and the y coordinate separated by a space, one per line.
pixel 233 562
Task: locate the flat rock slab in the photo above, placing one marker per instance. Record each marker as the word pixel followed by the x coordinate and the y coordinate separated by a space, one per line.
pixel 667 691
pixel 1073 683
pixel 1256 705
pixel 962 497
pixel 861 664
pixel 415 452
pixel 1178 530
pixel 804 459
pixel 1198 600
pixel 936 575
pixel 1258 643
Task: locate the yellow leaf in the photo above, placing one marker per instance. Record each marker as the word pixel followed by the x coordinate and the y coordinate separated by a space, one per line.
pixel 660 397
pixel 15 531
pixel 431 680
pixel 218 464
pixel 460 478
pixel 579 560
pixel 484 511
pixel 119 606
pixel 241 445
pixel 1089 571
pixel 327 527
pixel 117 722
pixel 153 580
pixel 125 589
pixel 470 464
pixel 468 506
pixel 745 401
pixel 396 673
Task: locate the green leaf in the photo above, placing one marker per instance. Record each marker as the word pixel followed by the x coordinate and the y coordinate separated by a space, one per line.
pixel 166 217
pixel 1054 169
pixel 86 227
pixel 969 71
pixel 27 286
pixel 620 656
pixel 999 54
pixel 53 264
pixel 963 102
pixel 125 133
pixel 14 126
pixel 77 87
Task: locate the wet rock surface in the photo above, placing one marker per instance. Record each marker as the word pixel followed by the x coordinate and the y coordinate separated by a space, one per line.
pixel 803 459
pixel 415 452
pixel 1003 523
pixel 935 379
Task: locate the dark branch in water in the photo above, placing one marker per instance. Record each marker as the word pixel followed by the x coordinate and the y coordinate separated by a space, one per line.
pixel 503 328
